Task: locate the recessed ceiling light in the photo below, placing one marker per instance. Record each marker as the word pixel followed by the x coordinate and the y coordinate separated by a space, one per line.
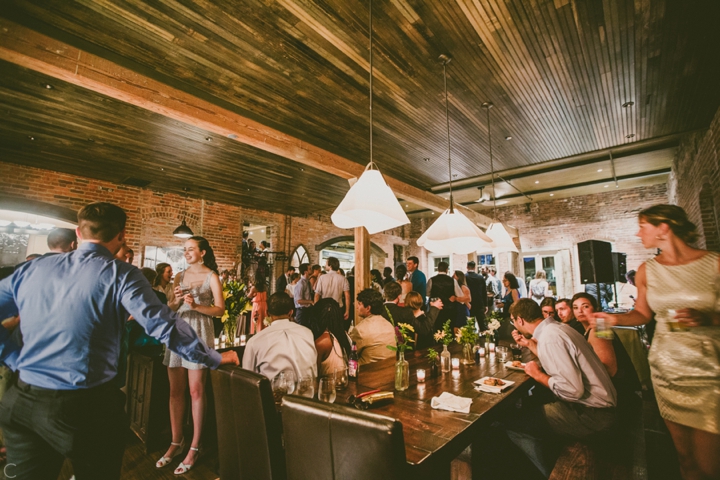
pixel 432 213
pixel 162 169
pixel 233 136
pixel 607 186
pixel 302 169
pixel 406 206
pixel 631 135
pixel 31 137
pixel 508 137
pixel 537 181
pixel 552 194
pixel 208 139
pixel 426 159
pixel 48 86
pixel 628 104
pixel 599 169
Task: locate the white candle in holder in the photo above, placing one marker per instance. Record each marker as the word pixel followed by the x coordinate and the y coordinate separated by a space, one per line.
pixel 482 351
pixel 217 342
pixel 420 375
pixel 491 348
pixel 223 338
pixel 236 342
pixel 455 363
pixel 243 338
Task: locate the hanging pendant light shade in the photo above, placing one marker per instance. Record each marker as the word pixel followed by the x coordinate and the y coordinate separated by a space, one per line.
pixel 501 238
pixel 453 232
pixel 370 203
pixel 183 231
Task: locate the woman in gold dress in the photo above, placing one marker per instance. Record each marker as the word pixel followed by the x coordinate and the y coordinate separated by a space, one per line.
pixel 680 287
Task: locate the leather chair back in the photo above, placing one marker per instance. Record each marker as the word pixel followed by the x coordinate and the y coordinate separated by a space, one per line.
pixel 248 426
pixel 324 441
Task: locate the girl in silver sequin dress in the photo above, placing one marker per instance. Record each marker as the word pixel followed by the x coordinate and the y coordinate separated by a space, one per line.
pixel 200 291
pixel 679 286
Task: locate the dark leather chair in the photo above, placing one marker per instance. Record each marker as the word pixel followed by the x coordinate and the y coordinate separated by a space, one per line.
pixel 248 426
pixel 324 441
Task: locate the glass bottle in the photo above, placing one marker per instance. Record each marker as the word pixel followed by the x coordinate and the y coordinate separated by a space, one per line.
pixel 402 373
pixel 445 360
pixel 352 363
pixel 468 354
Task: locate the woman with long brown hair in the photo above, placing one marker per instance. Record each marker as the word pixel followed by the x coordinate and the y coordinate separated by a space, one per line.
pixel 680 287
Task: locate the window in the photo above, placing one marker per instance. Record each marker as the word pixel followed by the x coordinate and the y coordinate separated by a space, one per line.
pixel 299 257
pixel 434 261
pixel 172 255
pixel 541 262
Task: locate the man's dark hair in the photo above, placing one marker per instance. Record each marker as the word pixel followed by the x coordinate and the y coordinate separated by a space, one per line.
pixel 391 291
pixel 280 304
pixel 290 269
pixel 547 301
pixel 443 267
pixel 471 265
pixel 566 301
pixel 526 309
pixel 245 234
pixel 101 221
pixel 265 243
pixel 315 268
pixel 303 268
pixel 414 259
pixel 61 239
pixel 150 274
pixel 588 297
pixel 371 298
pixel 334 263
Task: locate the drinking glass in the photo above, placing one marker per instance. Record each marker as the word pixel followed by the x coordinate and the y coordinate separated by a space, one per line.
pixel 306 386
pixel 326 389
pixel 503 354
pixel 516 351
pixel 341 378
pixel 283 384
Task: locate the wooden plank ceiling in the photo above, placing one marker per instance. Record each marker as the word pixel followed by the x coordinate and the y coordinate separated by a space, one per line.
pixel 557 71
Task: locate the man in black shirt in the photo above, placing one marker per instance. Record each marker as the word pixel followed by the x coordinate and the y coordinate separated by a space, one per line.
pixel 478 294
pixel 399 314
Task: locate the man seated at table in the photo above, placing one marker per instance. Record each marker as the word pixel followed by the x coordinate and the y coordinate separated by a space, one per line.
pixel 564 310
pixel 391 311
pixel 583 397
pixel 284 345
pixel 372 333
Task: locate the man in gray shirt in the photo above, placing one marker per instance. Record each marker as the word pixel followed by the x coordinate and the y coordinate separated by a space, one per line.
pixel 303 294
pixel 584 398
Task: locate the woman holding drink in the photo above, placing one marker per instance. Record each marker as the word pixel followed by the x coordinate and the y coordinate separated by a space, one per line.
pixel 680 287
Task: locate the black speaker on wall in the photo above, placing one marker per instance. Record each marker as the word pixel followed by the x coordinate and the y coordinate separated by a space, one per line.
pixel 619 266
pixel 596 262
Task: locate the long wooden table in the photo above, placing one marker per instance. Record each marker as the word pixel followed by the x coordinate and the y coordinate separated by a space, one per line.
pixel 433 438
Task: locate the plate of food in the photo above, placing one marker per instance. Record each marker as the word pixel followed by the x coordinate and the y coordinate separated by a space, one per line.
pixel 492 384
pixel 515 365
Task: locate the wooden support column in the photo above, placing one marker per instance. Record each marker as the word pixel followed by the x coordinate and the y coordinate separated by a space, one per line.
pixel 362 261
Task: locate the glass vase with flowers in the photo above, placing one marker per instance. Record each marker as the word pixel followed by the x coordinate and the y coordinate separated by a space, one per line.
pixel 467 336
pixel 445 337
pixel 404 336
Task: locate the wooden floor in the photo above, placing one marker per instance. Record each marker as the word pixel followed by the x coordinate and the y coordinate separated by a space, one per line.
pixel 139 466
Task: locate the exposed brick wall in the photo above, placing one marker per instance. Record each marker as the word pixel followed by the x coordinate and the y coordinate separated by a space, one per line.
pixel 152 216
pixel 696 171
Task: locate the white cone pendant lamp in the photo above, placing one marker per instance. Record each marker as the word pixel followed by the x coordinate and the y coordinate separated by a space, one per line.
pixel 453 232
pixel 501 238
pixel 370 203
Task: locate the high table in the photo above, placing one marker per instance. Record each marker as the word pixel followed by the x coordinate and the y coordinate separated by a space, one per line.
pixel 433 438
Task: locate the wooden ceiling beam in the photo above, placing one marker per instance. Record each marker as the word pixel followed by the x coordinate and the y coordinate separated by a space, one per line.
pixel 29 49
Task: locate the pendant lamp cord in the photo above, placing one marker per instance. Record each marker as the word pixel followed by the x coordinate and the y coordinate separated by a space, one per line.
pixel 447 122
pixel 371 83
pixel 492 167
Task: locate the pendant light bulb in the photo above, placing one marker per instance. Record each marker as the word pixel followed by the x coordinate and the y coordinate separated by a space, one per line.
pixel 183 231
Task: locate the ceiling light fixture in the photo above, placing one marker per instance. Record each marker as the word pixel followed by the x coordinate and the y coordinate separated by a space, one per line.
pixel 452 232
pixel 537 181
pixel 370 202
pixel 599 170
pixel 502 241
pixel 183 231
pixel 552 194
pixel 481 198
pixel 508 137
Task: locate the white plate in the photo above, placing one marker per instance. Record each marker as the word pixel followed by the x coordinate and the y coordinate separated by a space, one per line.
pixel 509 365
pixel 489 388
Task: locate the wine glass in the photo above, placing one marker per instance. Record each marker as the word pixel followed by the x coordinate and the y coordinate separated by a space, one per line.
pixel 326 389
pixel 306 386
pixel 341 378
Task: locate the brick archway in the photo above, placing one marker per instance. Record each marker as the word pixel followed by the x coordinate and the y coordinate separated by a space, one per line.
pixel 36 207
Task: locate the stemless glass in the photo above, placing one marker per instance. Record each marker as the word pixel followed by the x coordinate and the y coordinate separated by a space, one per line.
pixel 341 378
pixel 283 384
pixel 503 354
pixel 516 351
pixel 326 389
pixel 306 386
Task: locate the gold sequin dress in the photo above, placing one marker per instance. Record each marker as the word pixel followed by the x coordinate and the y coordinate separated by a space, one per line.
pixel 685 366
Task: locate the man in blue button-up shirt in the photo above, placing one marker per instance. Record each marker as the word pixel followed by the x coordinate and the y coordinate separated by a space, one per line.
pixel 73 308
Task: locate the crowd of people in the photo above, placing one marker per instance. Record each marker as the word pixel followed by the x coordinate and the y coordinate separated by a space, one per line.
pixel 72 367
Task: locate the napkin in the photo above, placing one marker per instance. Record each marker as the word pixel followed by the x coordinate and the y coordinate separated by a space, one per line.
pixel 452 403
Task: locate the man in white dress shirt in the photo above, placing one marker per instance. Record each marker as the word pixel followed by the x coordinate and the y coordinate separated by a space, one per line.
pixel 584 398
pixel 335 286
pixel 284 345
